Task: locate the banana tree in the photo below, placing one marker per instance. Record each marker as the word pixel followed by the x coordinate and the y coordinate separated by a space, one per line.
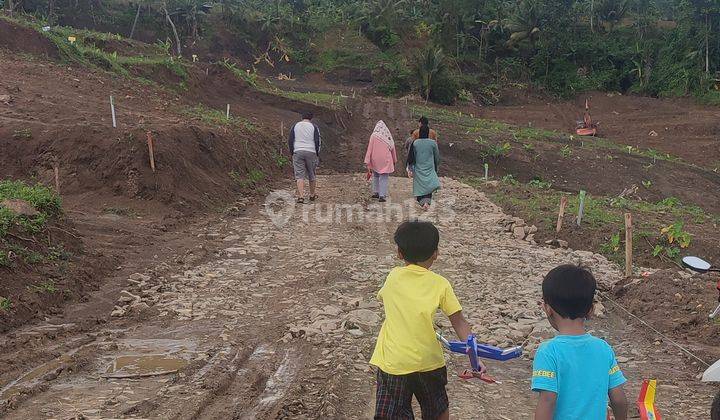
pixel 429 64
pixel 524 24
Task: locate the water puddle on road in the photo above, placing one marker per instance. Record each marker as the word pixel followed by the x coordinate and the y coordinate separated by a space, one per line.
pixel 139 366
pixel 31 376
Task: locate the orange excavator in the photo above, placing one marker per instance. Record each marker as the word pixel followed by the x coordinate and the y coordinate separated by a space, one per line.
pixel 586 127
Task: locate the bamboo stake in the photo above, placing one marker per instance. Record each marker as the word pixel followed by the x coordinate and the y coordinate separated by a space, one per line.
pixel 227 113
pixel 151 151
pixel 561 213
pixel 56 170
pixel 487 168
pixel 628 244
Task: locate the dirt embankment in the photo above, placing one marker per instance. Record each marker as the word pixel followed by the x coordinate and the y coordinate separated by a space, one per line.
pixel 118 210
pixel 678 304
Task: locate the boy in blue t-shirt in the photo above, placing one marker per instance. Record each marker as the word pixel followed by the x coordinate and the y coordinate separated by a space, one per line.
pixel 575 373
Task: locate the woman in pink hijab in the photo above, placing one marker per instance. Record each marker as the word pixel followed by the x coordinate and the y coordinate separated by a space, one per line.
pixel 380 159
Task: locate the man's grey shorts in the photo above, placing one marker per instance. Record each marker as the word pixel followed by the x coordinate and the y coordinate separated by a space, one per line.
pixel 304 164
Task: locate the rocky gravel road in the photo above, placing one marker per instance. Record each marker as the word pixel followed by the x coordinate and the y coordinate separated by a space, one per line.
pixel 281 322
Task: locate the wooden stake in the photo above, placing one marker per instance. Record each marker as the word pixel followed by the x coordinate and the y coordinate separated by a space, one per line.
pixel 628 244
pixel 581 206
pixel 561 213
pixel 112 110
pixel 227 114
pixel 151 151
pixel 487 168
pixel 56 170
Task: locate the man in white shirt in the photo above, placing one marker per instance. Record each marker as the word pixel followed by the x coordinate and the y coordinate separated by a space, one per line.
pixel 304 145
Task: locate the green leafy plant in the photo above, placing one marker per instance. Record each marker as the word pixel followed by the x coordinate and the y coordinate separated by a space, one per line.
pixel 281 160
pixel 612 246
pixel 22 134
pixel 647 184
pixel 509 179
pixel 539 183
pixel 48 286
pixel 565 151
pixel 5 304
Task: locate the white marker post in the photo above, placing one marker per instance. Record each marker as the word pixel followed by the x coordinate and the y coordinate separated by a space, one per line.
pixel 227 113
pixel 581 206
pixel 487 168
pixel 112 110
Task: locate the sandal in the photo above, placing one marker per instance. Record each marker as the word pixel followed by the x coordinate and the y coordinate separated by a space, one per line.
pixel 382 200
pixel 313 197
pixel 376 195
pixel 300 200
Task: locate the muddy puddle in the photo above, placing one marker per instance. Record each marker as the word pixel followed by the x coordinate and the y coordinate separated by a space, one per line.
pixel 139 366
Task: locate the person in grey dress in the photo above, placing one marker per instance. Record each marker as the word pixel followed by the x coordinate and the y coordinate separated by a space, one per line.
pixel 423 163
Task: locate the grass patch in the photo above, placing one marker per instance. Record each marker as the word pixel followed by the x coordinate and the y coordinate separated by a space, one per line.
pixel 662 228
pixel 85 52
pixel 5 304
pixel 44 200
pixel 252 179
pixel 48 286
pixel 22 134
pixel 215 117
pixel 250 77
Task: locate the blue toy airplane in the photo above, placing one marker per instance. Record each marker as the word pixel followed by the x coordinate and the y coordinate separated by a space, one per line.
pixel 476 351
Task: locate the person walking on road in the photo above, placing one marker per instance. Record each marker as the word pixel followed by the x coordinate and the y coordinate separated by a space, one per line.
pixel 304 144
pixel 422 166
pixel 380 159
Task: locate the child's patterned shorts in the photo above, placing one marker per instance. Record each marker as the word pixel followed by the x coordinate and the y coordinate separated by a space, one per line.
pixel 395 392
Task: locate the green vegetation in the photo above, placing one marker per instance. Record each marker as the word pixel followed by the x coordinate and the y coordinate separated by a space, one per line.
pixel 440 49
pixel 5 304
pixel 85 48
pixel 48 286
pixel 281 160
pixel 250 77
pixel 662 229
pixel 251 180
pixel 215 117
pixel 24 133
pixel 45 201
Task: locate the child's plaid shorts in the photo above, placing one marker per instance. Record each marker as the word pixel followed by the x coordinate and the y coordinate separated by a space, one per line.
pixel 395 392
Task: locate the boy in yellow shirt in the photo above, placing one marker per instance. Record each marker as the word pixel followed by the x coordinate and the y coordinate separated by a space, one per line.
pixel 407 354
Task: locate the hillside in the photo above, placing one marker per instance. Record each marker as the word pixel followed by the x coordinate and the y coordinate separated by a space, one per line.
pixel 143 271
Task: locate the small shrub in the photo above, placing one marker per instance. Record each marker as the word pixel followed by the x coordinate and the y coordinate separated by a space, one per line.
pixel 23 134
pixel 565 151
pixel 612 246
pixel 509 179
pixel 5 303
pixel 48 286
pixel 539 183
pixel 281 160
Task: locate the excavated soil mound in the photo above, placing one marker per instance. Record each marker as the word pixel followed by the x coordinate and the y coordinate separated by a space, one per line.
pixel 677 304
pixel 17 38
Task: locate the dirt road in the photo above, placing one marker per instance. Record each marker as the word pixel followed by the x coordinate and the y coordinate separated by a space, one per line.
pixel 282 321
